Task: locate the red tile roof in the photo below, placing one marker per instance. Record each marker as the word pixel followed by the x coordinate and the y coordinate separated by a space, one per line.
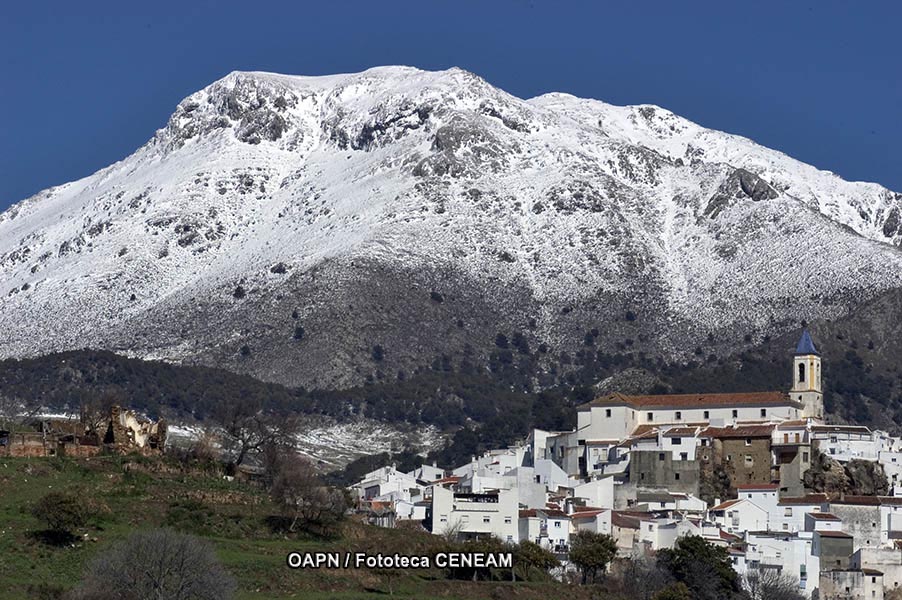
pixel 808 499
pixel 726 505
pixel 748 487
pixel 834 534
pixel 857 500
pixel 740 431
pixel 818 516
pixel 692 400
pixel 588 514
pixel 586 508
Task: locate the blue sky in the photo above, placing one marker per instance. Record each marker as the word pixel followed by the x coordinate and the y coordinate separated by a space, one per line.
pixel 85 83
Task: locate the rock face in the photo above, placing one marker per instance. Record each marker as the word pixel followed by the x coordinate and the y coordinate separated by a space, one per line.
pixel 287 227
pixel 857 477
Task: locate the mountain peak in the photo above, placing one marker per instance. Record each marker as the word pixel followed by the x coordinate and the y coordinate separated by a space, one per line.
pixel 348 200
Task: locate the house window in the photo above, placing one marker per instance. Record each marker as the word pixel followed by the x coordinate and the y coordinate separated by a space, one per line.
pixel 660 456
pixel 510 539
pixel 684 456
pixel 764 411
pixel 704 443
pixel 735 413
pixel 465 518
pixel 833 439
pixel 705 414
pixel 676 476
pixel 558 523
pixel 607 412
pixel 486 519
pixel 507 520
pixel 443 518
pixel 748 441
pixel 749 461
pixel 649 417
pixel 801 373
pixel 787 512
pixel 678 416
pixel 676 441
pixel 804 457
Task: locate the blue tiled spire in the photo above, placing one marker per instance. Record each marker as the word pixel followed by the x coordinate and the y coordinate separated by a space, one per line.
pixel 806 345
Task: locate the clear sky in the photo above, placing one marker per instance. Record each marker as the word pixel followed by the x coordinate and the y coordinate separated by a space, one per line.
pixel 86 83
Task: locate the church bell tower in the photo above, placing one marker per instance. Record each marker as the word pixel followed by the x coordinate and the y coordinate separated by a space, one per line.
pixel 806 378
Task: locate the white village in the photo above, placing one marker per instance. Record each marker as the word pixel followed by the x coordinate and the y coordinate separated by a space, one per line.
pixel 728 467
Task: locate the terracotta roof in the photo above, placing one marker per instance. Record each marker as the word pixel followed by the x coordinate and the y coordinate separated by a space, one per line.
pixel 867 571
pixel 740 431
pixel 834 534
pixel 681 431
pixel 586 508
pixel 857 500
pixel 891 500
pixel 808 499
pixel 588 514
pixel 795 423
pixel 692 400
pixel 527 513
pixel 554 514
pixel 748 487
pixel 444 480
pixel 818 516
pixel 725 535
pixel 630 521
pixel 726 505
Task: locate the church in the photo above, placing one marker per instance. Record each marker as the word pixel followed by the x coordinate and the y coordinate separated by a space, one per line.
pixel 607 421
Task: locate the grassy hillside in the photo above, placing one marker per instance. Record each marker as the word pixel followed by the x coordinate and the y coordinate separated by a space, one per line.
pixel 127 493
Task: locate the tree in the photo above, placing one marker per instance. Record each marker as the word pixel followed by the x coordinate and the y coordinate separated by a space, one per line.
pixel 94 410
pixel 770 584
pixel 248 428
pixel 704 568
pixel 592 552
pixel 157 565
pixel 62 513
pixel 531 559
pixel 299 492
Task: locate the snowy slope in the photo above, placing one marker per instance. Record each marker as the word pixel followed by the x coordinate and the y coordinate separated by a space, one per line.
pixel 284 226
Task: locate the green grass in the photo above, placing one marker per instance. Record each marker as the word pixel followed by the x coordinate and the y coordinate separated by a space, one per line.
pixel 127 493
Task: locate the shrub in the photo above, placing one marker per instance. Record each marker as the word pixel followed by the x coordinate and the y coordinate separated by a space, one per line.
pixel 62 514
pixel 157 564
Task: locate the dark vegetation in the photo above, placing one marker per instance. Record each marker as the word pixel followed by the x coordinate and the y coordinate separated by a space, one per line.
pixel 523 384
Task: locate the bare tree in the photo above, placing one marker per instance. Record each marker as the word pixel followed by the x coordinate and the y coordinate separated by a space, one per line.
pixel 15 412
pixel 94 410
pixel 298 490
pixel 157 565
pixel 249 429
pixel 770 584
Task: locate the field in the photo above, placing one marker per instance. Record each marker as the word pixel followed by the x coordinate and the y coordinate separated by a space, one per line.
pixel 125 494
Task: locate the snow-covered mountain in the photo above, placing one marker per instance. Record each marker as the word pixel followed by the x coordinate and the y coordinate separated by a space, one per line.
pixel 318 230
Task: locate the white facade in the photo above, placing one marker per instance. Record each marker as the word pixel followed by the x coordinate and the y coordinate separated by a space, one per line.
pixel 739 516
pixel 474 515
pixel 792 555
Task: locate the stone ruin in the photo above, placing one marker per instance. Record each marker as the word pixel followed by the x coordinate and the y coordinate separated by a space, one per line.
pixel 125 433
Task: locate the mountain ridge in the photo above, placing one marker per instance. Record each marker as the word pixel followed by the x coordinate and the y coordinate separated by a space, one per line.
pixel 287 226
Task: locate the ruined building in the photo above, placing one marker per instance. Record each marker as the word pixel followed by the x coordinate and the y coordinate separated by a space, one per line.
pixel 122 432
